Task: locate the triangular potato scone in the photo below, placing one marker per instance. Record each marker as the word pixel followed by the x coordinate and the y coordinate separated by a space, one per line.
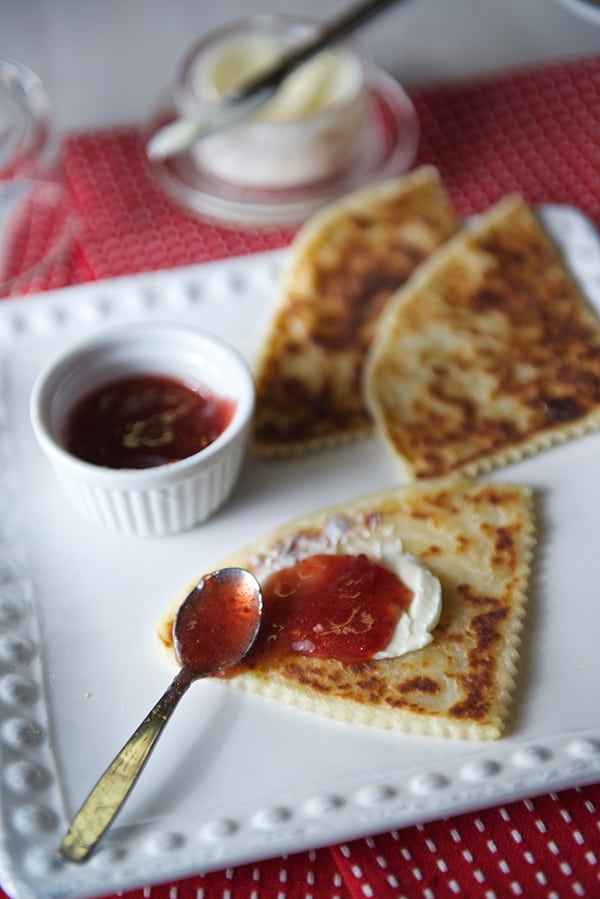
pixel 488 355
pixel 477 539
pixel 344 265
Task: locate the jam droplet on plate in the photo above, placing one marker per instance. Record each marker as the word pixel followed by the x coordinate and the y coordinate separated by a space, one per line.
pixel 141 421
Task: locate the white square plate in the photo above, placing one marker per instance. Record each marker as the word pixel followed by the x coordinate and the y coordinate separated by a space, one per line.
pixel 236 778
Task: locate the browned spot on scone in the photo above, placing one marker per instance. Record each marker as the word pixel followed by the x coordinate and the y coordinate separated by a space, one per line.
pixel 432 550
pixel 478 683
pixel 420 684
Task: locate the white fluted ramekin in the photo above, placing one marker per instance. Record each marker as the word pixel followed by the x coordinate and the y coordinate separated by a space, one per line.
pixel 165 499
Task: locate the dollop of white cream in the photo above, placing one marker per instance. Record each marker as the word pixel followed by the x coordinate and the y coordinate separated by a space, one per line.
pixel 415 626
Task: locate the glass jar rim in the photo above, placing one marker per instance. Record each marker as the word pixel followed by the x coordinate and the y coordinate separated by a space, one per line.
pixel 185 97
pixel 24 96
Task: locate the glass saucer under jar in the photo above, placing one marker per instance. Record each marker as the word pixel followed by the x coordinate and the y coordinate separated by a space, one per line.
pixel 336 123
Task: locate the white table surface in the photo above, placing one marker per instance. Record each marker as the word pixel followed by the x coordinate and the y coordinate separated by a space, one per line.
pixel 106 63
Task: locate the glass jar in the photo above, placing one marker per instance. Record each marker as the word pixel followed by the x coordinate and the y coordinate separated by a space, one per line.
pixel 307 132
pixel 35 220
pixel 335 124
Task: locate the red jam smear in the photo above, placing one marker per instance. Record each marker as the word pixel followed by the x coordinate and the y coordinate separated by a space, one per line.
pixel 343 607
pixel 145 420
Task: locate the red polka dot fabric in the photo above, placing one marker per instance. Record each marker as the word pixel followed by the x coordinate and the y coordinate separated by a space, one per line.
pixel 544 848
pixel 535 131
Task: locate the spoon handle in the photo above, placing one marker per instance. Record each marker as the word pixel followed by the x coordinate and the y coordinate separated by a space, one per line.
pixel 328 35
pixel 113 787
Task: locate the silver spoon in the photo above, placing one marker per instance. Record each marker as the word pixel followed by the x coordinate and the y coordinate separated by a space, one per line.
pixel 241 102
pixel 214 629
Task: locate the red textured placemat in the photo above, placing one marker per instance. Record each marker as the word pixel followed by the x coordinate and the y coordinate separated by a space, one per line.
pixel 536 132
pixel 126 223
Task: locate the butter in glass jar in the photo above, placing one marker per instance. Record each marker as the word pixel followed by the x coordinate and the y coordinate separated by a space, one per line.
pixel 308 132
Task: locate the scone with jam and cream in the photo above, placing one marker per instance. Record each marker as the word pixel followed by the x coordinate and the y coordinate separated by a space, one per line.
pixel 429 588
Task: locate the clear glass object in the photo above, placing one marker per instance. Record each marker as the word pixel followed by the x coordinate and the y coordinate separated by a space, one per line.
pixel 337 123
pixel 35 222
pixel 307 132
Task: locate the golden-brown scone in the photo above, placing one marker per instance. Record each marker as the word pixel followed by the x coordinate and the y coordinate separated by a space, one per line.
pixel 478 539
pixel 344 264
pixel 488 355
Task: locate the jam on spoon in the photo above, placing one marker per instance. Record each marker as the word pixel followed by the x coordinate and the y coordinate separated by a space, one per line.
pixel 214 629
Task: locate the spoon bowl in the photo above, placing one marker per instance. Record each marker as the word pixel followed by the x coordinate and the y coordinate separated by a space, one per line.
pixel 214 629
pixel 218 622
